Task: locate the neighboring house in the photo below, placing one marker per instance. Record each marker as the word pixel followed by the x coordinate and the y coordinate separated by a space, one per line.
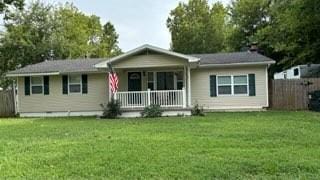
pixel 147 75
pixel 298 72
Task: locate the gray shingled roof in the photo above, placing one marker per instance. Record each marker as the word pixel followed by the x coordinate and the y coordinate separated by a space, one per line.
pixel 61 66
pixel 231 58
pixel 87 65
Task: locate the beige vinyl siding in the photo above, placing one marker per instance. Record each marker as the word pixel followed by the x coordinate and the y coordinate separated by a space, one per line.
pixel 200 90
pixel 123 80
pixel 152 60
pixel 58 102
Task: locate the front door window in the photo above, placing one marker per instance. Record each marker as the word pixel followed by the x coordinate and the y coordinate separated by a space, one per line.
pixel 134 81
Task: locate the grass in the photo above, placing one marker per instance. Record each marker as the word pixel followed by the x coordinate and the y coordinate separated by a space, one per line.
pixel 259 145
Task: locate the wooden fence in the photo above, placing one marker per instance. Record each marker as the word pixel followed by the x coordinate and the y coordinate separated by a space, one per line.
pixel 291 94
pixel 7 106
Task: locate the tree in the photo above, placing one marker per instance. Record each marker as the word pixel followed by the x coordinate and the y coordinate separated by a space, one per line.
pixel 76 34
pixel 43 32
pixel 26 38
pixel 246 18
pixel 7 5
pixel 293 32
pixel 196 27
pixel 110 39
pixel 108 43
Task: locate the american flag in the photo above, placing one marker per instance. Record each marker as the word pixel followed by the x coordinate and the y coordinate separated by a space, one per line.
pixel 113 82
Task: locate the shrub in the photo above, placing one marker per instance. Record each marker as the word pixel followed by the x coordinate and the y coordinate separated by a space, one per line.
pixel 112 109
pixel 197 110
pixel 152 111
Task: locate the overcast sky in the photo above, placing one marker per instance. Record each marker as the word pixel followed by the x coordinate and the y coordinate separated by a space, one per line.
pixel 137 21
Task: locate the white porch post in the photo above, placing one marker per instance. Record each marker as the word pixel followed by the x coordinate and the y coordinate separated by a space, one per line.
pixel 149 97
pixel 184 99
pixel 184 89
pixel 189 87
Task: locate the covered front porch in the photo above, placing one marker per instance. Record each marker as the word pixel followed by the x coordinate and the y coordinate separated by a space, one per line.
pixel 163 86
pixel 150 75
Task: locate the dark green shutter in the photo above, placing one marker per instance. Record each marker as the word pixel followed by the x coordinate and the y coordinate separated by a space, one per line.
pixel 46 85
pixel 252 85
pixel 27 86
pixel 64 84
pixel 213 86
pixel 84 84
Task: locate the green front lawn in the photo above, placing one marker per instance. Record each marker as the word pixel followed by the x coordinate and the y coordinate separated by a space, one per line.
pixel 220 145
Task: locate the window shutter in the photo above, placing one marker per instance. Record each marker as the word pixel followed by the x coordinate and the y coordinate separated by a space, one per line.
pixel 213 86
pixel 84 84
pixel 252 85
pixel 64 84
pixel 27 86
pixel 46 85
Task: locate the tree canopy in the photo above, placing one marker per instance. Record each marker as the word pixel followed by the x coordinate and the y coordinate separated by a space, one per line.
pixel 287 30
pixel 7 5
pixel 44 31
pixel 197 27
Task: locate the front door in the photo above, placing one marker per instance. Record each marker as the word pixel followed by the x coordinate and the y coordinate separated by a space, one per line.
pixel 134 81
pixel 134 84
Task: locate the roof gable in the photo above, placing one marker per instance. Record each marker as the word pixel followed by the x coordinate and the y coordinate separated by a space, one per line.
pixel 144 48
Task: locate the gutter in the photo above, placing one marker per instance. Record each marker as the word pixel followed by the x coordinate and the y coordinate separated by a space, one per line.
pixel 32 74
pixel 236 64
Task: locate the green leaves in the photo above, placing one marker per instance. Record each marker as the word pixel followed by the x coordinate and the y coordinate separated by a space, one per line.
pixel 197 28
pixel 288 30
pixel 43 31
pixel 246 18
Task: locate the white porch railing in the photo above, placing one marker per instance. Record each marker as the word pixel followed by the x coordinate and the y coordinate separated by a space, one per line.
pixel 140 99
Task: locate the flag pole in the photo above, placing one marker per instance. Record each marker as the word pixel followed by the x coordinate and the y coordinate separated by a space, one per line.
pixel 111 95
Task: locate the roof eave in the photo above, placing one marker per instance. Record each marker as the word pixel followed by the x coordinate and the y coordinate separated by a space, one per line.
pixel 238 64
pixel 32 74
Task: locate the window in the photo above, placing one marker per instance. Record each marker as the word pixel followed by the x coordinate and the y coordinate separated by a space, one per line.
pixel 240 84
pixel 165 81
pixel 36 85
pixel 296 72
pixel 74 84
pixel 224 85
pixel 232 85
pixel 150 80
pixel 179 76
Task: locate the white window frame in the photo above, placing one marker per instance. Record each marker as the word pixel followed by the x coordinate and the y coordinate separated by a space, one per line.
pixel 232 85
pixel 31 85
pixel 69 83
pixel 240 84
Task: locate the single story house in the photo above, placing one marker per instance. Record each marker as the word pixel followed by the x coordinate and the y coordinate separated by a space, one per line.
pixel 147 75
